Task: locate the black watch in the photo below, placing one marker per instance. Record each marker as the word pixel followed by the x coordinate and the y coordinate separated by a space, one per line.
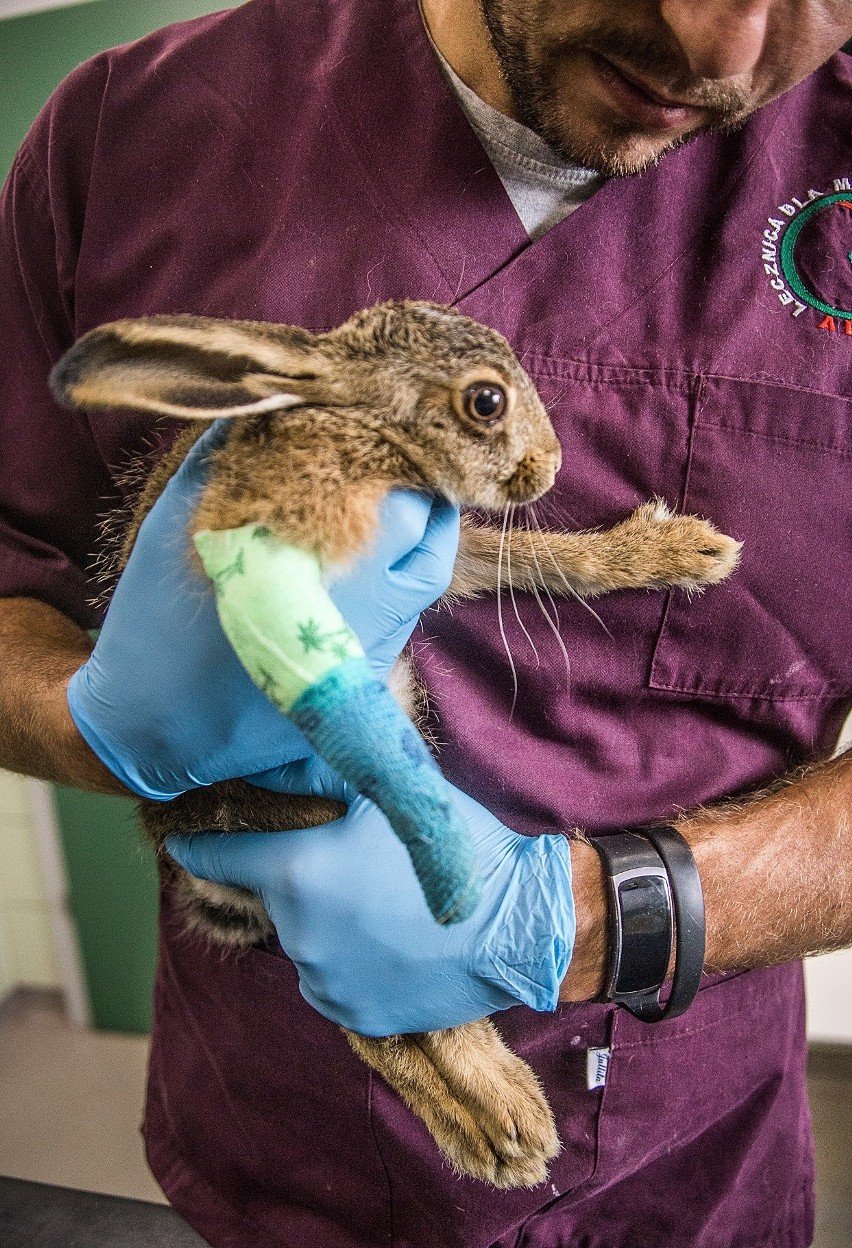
pixel 641 921
pixel 655 902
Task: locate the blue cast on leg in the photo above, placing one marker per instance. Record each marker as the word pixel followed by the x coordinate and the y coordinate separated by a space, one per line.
pixel 354 723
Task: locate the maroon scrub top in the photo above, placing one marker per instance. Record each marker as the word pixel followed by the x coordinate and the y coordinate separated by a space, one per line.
pixel 690 330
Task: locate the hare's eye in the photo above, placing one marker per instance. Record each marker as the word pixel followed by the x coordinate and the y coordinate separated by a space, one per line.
pixel 484 402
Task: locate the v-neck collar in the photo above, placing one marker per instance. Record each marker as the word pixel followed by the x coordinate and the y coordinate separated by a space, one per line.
pixel 572 287
pixel 431 174
pixel 426 160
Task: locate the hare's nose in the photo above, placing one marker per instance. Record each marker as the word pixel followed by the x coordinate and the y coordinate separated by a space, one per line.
pixel 534 475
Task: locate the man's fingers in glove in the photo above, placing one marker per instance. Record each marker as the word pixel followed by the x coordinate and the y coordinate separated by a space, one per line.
pixel 193 470
pixel 414 529
pixel 432 559
pixel 224 857
pixel 310 777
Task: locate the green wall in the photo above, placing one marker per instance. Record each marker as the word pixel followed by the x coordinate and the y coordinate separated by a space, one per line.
pixel 112 889
pixel 111 874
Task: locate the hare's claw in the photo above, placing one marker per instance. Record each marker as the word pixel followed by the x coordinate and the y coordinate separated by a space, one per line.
pixel 683 551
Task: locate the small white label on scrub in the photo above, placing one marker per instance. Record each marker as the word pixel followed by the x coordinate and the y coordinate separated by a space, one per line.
pixel 597 1064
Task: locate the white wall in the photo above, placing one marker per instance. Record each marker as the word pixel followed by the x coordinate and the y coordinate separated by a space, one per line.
pixel 27 947
pixel 829 985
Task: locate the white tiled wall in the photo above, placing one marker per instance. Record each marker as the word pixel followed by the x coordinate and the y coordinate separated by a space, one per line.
pixel 12 8
pixel 829 978
pixel 27 948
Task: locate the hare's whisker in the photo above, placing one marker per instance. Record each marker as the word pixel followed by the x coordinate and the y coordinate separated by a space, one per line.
pixel 459 283
pixel 506 645
pixel 553 623
pixel 523 626
pixel 569 587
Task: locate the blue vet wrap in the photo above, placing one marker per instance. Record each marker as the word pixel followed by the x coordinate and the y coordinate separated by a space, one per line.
pixel 354 723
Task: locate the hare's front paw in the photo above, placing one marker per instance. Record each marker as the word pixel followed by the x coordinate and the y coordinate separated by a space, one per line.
pixel 482 1104
pixel 673 550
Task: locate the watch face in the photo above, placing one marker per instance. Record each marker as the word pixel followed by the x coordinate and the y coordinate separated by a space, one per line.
pixel 646 934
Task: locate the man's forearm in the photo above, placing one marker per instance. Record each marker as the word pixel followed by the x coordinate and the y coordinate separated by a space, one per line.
pixel 776 871
pixel 40 649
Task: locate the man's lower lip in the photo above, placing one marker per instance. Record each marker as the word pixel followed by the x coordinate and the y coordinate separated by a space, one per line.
pixel 636 105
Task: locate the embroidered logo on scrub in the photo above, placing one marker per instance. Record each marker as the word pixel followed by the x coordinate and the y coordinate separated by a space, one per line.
pixel 806 250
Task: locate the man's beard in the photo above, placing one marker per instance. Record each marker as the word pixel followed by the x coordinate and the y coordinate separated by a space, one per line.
pixel 530 68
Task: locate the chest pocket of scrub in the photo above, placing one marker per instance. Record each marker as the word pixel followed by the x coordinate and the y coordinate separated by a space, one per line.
pixel 772 467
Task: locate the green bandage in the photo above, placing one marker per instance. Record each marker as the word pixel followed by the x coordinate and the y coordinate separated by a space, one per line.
pixel 274 610
pixel 296 646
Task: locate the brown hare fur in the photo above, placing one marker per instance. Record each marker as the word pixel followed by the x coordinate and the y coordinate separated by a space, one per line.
pixel 323 427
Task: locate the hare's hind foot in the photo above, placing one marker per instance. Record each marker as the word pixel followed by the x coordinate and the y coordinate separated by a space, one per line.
pixel 666 549
pixel 481 1103
pixel 228 916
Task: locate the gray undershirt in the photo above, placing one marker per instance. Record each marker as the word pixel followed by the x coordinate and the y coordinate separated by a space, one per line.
pixel 542 186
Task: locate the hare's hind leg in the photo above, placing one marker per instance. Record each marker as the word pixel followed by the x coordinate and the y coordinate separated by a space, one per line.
pixel 228 916
pixel 652 549
pixel 483 1106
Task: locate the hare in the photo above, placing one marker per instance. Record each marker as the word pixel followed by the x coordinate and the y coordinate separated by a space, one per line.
pixel 323 426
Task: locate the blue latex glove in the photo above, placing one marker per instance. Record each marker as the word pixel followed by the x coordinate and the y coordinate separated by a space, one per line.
pixel 350 913
pixel 164 702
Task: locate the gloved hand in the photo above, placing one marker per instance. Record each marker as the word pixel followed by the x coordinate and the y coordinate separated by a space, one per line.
pixel 164 702
pixel 350 914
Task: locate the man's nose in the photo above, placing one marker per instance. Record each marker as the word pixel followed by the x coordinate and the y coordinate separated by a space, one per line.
pixel 720 38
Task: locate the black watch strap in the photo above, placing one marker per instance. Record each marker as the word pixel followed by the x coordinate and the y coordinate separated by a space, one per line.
pixel 646 919
pixel 690 921
pixel 640 922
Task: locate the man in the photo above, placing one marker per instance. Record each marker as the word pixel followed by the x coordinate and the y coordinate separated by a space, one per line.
pixel 687 328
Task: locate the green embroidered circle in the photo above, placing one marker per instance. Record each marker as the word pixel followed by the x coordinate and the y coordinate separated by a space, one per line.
pixel 788 259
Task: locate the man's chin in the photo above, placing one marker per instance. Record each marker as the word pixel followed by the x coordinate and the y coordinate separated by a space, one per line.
pixel 626 159
pixel 614 154
pixel 614 148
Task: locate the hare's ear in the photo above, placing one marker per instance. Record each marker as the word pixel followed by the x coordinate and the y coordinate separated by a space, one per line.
pixel 192 367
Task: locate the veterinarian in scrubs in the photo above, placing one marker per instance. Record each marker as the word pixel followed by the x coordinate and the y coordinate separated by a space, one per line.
pixel 650 201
